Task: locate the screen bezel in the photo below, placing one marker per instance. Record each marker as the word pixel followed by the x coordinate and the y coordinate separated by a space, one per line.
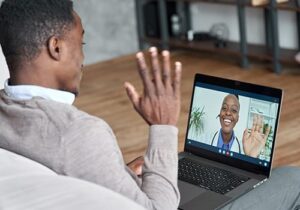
pixel 243 86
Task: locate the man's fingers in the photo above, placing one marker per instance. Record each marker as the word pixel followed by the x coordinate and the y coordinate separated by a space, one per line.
pixel 136 165
pixel 144 73
pixel 177 79
pixel 132 94
pixel 158 104
pixel 166 68
pixel 156 69
pixel 139 160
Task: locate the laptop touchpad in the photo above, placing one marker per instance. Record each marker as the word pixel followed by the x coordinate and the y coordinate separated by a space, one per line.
pixel 207 200
pixel 188 191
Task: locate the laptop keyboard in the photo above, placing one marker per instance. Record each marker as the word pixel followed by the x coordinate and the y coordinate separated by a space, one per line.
pixel 208 177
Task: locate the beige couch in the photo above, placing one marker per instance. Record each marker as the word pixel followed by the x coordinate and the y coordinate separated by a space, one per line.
pixel 28 185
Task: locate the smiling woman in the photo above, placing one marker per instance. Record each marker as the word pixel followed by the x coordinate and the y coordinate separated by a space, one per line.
pixel 229 116
pixel 226 124
pixel 226 138
pixel 252 142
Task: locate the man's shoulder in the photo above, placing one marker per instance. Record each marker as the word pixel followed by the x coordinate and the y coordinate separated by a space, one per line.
pixel 55 116
pixel 72 123
pixel 67 114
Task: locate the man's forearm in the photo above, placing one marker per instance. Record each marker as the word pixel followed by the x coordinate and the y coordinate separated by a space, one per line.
pixel 161 166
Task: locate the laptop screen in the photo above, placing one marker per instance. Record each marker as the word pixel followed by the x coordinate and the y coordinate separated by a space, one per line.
pixel 234 120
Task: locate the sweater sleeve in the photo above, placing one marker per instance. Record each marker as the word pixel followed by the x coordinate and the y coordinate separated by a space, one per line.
pixel 91 153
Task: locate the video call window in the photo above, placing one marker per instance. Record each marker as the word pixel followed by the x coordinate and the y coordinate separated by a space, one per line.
pixel 205 124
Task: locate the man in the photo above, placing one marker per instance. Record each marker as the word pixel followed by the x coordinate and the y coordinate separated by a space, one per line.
pixel 253 142
pixel 42 43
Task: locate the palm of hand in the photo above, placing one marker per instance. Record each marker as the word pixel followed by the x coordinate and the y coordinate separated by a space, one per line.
pixel 156 110
pixel 160 103
pixel 255 141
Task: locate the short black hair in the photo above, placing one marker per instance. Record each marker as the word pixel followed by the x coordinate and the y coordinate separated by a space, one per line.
pixel 27 25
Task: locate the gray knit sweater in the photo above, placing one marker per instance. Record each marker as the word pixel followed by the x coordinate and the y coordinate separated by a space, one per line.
pixel 76 144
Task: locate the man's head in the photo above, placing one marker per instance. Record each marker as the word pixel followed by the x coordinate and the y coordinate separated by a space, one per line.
pixel 42 43
pixel 229 113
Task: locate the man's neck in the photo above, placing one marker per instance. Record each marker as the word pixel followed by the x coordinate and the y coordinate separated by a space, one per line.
pixel 32 76
pixel 38 71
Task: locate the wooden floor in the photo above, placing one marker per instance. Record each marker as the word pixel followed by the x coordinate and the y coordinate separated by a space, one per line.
pixel 102 94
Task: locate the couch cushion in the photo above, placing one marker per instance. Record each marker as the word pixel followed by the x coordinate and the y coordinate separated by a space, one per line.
pixel 26 184
pixel 12 164
pixel 58 192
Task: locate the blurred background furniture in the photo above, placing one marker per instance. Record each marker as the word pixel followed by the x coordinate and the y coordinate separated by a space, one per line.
pixel 164 10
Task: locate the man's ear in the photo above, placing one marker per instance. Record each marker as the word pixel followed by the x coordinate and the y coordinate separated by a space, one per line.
pixel 54 46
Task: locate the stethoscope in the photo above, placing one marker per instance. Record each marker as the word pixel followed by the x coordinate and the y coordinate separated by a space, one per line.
pixel 235 138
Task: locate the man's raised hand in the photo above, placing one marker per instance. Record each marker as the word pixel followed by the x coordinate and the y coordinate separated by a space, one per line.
pixel 160 102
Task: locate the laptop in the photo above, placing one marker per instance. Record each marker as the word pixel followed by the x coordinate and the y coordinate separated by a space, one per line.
pixel 218 165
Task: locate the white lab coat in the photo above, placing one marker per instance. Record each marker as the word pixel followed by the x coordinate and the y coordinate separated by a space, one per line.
pixel 236 145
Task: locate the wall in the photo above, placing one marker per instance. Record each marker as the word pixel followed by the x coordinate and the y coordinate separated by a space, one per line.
pixel 3 69
pixel 110 28
pixel 205 14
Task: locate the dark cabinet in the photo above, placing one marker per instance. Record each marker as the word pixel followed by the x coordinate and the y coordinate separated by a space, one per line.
pixel 164 38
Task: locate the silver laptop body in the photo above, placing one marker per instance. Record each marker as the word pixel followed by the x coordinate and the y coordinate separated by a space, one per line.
pixel 204 145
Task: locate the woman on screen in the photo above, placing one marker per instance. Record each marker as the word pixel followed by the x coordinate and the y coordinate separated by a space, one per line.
pixel 228 116
pixel 225 138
